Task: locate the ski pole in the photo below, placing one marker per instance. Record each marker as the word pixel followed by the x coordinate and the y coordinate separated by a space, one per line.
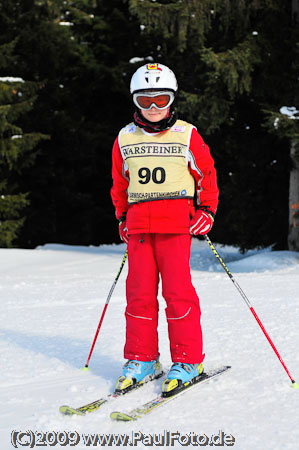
pixel 105 308
pixel 294 384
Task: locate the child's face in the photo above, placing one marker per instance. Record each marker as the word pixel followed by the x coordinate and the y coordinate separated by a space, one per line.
pixel 154 114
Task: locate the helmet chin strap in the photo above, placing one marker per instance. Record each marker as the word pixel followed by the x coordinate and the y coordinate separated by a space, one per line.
pixel 162 125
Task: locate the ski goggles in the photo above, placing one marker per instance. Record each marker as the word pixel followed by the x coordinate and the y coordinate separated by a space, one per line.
pixel 159 100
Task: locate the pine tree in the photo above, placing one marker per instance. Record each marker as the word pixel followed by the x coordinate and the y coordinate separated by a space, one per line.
pixel 76 50
pixel 231 58
pixel 283 121
pixel 285 124
pixel 17 151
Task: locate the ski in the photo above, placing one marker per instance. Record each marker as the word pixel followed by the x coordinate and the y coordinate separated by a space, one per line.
pixel 94 406
pixel 148 407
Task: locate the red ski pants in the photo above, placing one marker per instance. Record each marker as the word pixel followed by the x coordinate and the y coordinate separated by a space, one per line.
pixel 168 255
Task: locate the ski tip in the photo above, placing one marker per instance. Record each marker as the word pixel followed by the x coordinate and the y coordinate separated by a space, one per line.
pixel 121 417
pixel 68 411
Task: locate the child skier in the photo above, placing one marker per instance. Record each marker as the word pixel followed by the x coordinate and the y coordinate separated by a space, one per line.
pixel 164 191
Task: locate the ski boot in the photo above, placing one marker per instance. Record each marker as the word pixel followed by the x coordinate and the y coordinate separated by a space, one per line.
pixel 136 373
pixel 181 376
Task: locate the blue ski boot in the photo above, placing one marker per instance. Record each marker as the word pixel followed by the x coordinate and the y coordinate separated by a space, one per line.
pixel 180 376
pixel 136 373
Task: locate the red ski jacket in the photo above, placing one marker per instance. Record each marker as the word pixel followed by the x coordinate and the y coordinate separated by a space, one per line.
pixel 166 215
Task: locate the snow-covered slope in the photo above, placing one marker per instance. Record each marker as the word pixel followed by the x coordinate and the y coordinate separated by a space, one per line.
pixel 51 302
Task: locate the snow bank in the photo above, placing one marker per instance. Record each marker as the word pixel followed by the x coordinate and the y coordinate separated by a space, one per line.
pixel 51 301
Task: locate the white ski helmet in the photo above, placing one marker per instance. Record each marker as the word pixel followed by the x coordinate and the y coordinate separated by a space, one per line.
pixel 153 76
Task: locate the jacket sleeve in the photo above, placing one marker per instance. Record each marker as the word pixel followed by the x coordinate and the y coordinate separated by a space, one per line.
pixel 201 166
pixel 120 178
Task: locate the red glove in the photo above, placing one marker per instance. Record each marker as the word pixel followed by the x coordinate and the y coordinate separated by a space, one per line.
pixel 123 231
pixel 201 223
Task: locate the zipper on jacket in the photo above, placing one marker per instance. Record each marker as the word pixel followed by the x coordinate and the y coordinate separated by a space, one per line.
pixel 141 239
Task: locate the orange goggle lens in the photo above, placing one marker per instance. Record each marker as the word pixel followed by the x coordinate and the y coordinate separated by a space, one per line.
pixel 161 101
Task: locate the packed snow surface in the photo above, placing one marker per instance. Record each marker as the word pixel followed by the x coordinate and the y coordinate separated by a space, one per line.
pixel 51 302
